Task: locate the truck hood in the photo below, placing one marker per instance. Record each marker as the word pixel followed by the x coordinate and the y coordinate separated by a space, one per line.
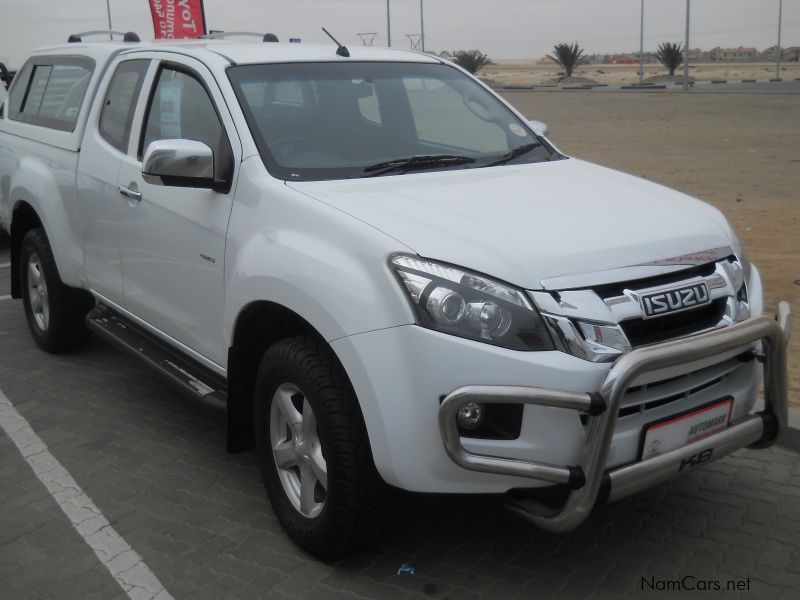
pixel 527 223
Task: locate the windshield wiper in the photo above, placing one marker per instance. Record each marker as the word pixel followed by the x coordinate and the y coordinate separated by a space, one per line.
pixel 515 153
pixel 421 161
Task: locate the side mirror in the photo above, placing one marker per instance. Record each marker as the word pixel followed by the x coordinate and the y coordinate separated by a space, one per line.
pixel 184 163
pixel 539 128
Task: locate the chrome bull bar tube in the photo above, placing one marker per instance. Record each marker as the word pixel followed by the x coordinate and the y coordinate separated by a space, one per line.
pixel 585 480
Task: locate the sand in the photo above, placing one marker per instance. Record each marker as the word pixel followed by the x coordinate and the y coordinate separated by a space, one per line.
pixel 522 73
pixel 740 152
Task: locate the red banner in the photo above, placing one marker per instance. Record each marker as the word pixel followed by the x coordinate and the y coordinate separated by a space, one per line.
pixel 178 19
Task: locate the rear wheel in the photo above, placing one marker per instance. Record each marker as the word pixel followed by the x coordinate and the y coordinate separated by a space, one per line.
pixel 314 452
pixel 55 312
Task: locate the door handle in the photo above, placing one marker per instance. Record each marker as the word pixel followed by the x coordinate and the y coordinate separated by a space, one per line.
pixel 129 193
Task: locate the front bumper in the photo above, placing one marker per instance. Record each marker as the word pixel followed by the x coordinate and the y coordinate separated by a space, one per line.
pixel 589 481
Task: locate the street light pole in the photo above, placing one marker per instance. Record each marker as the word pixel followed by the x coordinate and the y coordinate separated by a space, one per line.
pixel 422 27
pixel 778 51
pixel 686 52
pixel 388 24
pixel 641 46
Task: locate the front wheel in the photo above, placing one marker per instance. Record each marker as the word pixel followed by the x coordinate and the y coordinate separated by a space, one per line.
pixel 314 452
pixel 55 312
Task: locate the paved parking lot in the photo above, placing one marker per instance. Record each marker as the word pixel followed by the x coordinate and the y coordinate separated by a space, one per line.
pixel 156 467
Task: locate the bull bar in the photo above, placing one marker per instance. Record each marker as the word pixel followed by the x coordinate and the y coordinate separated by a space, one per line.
pixel 590 481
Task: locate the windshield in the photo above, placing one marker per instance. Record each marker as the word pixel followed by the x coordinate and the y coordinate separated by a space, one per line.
pixel 314 121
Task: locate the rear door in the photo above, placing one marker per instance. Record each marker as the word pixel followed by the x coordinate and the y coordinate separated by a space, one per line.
pixel 172 238
pixel 105 144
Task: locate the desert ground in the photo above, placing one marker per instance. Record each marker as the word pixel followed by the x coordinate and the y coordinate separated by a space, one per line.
pixel 740 152
pixel 531 72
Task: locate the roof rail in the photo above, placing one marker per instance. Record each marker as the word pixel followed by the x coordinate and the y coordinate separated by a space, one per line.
pixel 221 35
pixel 127 36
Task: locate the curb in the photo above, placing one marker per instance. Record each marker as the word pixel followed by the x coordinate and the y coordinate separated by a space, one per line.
pixel 633 86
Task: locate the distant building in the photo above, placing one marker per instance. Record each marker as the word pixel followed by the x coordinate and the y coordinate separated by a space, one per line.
pixel 698 55
pixel 791 54
pixel 624 58
pixel 770 54
pixel 739 54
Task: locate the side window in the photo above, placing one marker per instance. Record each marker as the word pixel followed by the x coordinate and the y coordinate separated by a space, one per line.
pixel 18 87
pixel 33 99
pixel 50 92
pixel 180 108
pixel 120 102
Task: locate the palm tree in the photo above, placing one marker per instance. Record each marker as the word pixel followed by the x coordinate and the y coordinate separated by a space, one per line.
pixel 568 57
pixel 471 60
pixel 670 55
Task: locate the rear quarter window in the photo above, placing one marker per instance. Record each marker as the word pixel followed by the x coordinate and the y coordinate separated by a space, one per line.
pixel 49 91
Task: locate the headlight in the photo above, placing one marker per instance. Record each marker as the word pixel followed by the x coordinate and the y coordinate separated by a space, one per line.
pixel 454 301
pixel 739 251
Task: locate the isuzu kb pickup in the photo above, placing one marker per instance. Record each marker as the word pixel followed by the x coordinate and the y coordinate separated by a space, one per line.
pixel 384 275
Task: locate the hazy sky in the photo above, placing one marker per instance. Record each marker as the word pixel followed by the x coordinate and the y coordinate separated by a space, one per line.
pixel 500 28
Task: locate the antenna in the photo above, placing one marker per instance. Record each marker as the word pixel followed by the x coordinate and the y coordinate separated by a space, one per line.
pixel 341 50
pixel 367 38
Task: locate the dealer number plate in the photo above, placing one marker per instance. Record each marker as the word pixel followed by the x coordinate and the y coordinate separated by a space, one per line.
pixel 678 431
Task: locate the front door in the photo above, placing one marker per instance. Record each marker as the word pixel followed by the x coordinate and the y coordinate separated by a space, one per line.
pixel 172 238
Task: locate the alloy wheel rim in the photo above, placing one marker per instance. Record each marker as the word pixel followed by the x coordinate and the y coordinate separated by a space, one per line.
pixel 37 293
pixel 297 451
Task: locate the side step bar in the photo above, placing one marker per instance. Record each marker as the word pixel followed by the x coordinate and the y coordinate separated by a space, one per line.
pixel 188 376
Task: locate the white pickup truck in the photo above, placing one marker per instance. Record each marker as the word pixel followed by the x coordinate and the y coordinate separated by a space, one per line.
pixel 384 275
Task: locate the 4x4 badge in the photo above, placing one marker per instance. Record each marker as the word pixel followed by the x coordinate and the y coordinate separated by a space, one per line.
pixel 669 301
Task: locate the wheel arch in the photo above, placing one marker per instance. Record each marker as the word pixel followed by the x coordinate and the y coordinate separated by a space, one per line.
pixel 258 325
pixel 24 218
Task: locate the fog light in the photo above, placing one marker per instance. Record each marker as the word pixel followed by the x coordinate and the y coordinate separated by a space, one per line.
pixel 470 416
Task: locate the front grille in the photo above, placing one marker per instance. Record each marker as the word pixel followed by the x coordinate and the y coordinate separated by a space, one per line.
pixel 610 290
pixel 641 332
pixel 642 398
pixel 601 322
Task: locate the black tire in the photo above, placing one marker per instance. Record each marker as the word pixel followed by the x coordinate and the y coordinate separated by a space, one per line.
pixel 65 327
pixel 358 505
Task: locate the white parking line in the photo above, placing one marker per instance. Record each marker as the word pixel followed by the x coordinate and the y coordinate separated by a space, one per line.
pixel 122 561
pixel 5 297
pixel 5 265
